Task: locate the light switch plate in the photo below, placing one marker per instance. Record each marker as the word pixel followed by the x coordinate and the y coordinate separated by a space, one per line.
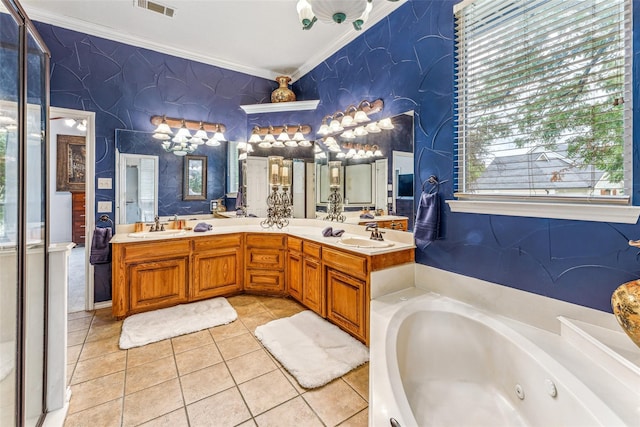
pixel 105 183
pixel 104 207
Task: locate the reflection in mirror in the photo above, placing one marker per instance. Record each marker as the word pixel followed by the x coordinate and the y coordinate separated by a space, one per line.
pixel 257 183
pixel 138 188
pixel 376 182
pixel 170 176
pixel 194 180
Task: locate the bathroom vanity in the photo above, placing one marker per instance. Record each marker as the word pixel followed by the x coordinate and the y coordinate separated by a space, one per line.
pixel 321 273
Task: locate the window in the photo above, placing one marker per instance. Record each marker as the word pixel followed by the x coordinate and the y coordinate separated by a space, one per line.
pixel 543 92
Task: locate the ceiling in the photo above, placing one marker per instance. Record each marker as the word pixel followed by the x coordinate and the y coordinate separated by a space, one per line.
pixel 259 37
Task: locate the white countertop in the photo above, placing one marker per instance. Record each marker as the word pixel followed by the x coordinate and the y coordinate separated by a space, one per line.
pixel 309 229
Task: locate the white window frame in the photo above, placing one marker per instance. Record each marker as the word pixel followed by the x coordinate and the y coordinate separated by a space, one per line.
pixel 585 209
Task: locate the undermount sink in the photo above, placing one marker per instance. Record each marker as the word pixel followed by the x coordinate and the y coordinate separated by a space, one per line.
pixel 163 233
pixel 364 243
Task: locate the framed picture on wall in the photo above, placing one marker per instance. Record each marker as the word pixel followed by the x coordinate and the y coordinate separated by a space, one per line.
pixel 70 163
pixel 195 178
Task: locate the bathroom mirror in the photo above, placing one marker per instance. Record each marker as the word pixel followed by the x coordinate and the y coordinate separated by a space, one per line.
pixel 381 182
pixel 194 180
pixel 303 176
pixel 170 180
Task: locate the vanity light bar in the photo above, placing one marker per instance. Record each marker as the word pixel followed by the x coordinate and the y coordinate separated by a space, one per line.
pixel 190 124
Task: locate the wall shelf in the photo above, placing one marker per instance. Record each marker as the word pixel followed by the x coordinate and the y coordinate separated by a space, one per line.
pixel 276 107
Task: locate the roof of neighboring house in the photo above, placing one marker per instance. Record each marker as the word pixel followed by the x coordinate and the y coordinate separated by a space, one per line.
pixel 536 170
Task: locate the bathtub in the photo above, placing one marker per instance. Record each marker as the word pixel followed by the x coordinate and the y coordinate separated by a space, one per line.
pixel 438 362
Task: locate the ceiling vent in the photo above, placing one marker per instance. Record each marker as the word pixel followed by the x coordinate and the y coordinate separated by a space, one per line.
pixel 155 7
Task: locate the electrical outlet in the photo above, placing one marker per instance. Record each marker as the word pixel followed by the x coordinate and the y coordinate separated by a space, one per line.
pixel 105 183
pixel 104 207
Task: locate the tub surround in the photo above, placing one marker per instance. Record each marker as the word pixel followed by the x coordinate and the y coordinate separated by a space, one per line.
pixel 238 255
pixel 587 343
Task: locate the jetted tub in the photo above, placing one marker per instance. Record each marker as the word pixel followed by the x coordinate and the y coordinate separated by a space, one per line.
pixel 438 362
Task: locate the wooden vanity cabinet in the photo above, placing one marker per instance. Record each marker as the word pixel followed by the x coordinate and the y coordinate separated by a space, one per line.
pixel 294 268
pixel 148 276
pixel 347 294
pixel 304 274
pixel 217 267
pixel 313 290
pixel 394 224
pixel 265 255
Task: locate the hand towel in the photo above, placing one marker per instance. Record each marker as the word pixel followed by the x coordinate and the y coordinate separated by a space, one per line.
pixel 202 226
pixel 337 233
pixel 427 225
pixel 327 232
pixel 366 216
pixel 100 249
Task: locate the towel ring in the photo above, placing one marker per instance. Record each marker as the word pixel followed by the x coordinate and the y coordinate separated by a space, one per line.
pixel 105 218
pixel 433 180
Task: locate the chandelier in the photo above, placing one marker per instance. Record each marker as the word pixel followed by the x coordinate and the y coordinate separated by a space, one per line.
pixel 338 11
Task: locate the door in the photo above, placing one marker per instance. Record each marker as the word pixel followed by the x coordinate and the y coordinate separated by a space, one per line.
pixel 257 186
pixel 138 188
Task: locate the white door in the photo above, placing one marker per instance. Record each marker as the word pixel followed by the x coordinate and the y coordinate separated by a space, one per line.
pixel 382 179
pixel 257 186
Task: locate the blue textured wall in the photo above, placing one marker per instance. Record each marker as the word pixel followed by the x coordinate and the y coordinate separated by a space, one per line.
pixel 407 59
pixel 126 85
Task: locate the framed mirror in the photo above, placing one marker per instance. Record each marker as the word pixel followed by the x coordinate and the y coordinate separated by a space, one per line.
pixel 195 178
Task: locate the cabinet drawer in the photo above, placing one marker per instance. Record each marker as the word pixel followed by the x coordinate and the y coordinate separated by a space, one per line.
pixel 343 261
pixel 294 244
pixel 265 258
pixel 215 242
pixel 266 241
pixel 312 249
pixel 267 281
pixel 156 249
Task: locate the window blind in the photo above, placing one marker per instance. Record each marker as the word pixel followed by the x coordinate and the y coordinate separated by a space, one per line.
pixel 543 98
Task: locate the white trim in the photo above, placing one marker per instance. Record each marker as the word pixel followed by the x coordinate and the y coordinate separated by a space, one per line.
pixel 90 220
pixel 277 107
pixel 101 305
pixel 574 211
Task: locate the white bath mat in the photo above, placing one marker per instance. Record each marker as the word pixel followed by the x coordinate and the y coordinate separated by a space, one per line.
pixel 158 325
pixel 313 350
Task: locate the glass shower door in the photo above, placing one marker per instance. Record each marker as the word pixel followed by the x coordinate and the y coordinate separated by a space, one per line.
pixel 9 58
pixel 35 261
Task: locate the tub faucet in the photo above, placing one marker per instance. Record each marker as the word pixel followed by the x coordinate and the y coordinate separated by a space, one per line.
pixel 376 234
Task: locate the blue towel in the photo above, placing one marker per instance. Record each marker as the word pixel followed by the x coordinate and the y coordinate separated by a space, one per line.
pixel 366 216
pixel 202 226
pixel 427 225
pixel 330 232
pixel 100 248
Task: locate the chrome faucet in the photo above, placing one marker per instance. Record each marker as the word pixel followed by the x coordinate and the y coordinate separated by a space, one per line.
pixel 376 234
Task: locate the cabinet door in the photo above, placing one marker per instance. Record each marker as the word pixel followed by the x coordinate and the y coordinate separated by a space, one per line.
pixel 216 272
pixel 347 302
pixel 294 275
pixel 313 294
pixel 158 284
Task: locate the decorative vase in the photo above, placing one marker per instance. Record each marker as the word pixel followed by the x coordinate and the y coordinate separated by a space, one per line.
pixel 625 302
pixel 283 93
